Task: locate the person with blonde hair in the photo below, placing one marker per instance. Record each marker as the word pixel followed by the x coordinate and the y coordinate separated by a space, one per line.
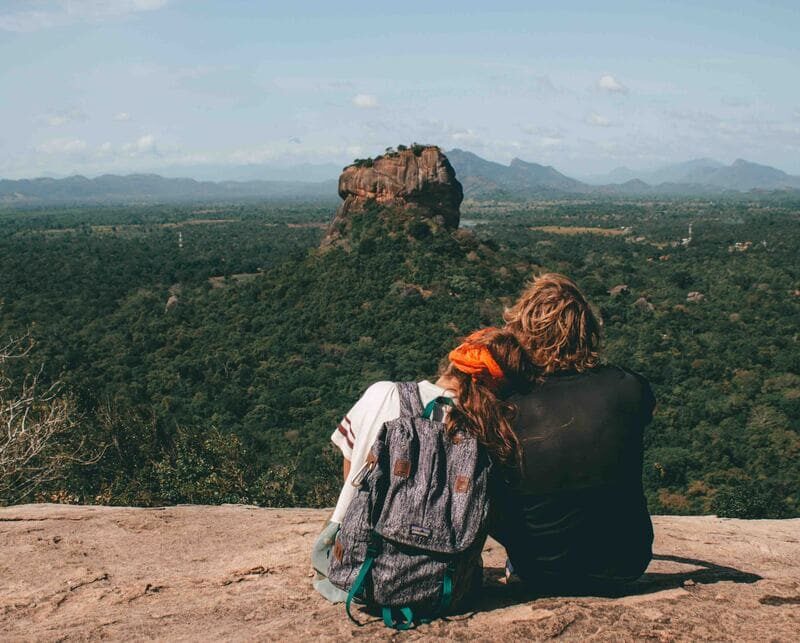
pixel 573 516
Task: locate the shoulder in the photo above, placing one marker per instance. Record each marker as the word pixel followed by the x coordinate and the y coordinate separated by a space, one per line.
pixel 375 397
pixel 613 373
pixel 429 390
pixel 606 380
pixel 634 384
pixel 379 391
pixel 629 376
pixel 378 403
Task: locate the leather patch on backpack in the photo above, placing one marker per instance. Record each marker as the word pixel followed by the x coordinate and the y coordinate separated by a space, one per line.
pixel 462 484
pixel 338 550
pixel 402 468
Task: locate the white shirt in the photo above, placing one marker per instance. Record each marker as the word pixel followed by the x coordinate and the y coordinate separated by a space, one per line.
pixel 357 431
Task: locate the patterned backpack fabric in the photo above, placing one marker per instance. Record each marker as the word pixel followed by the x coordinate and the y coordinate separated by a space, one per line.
pixel 411 540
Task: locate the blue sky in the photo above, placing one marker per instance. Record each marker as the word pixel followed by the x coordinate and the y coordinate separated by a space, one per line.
pixel 95 86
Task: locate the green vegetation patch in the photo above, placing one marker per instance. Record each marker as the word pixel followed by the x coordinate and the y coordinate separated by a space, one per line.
pixel 210 362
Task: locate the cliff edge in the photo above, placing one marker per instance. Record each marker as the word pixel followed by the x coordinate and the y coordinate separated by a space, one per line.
pixel 241 573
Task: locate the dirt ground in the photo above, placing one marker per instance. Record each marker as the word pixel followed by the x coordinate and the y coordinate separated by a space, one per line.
pixel 200 573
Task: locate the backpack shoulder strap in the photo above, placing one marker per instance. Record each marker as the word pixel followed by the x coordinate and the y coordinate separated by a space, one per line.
pixel 410 401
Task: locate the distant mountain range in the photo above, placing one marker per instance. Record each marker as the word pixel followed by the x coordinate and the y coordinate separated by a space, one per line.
pixel 482 179
pixel 674 173
pixel 150 188
pixel 486 179
pixel 740 175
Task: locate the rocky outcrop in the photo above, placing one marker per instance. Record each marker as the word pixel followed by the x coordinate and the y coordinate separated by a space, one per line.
pixel 237 572
pixel 419 181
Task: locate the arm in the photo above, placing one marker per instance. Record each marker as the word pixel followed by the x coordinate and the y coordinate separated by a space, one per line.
pixel 355 433
pixel 346 468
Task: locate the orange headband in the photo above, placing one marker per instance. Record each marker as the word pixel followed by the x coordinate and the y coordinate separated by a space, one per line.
pixel 476 360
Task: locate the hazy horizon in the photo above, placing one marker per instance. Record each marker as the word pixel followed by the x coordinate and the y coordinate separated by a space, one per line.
pixel 326 172
pixel 123 86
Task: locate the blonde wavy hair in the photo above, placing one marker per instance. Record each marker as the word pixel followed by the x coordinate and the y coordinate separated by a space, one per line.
pixel 556 325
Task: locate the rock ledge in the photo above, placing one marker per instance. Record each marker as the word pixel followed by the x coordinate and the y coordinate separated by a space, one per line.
pixel 241 573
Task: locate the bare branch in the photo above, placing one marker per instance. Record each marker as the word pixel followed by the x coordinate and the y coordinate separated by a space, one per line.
pixel 32 419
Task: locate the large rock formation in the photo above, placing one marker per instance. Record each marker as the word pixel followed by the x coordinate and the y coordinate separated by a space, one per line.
pixel 419 181
pixel 241 573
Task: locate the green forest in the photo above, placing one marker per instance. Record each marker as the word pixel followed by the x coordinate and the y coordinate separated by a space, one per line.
pixel 205 353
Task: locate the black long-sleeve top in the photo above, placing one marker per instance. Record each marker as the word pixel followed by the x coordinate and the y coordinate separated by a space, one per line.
pixel 577 511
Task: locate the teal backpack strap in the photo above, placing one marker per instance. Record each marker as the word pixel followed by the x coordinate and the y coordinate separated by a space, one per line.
pixel 358 584
pixel 406 612
pixel 447 590
pixel 446 401
pixel 356 588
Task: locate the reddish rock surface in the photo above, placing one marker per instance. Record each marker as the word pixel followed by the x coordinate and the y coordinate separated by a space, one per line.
pixel 241 573
pixel 422 182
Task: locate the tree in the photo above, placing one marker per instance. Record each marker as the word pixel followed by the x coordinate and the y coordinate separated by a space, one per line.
pixel 32 419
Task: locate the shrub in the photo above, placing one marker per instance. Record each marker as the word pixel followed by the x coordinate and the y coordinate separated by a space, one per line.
pixel 749 499
pixel 205 467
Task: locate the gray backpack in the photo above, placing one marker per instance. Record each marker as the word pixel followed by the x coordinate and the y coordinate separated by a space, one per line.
pixel 410 542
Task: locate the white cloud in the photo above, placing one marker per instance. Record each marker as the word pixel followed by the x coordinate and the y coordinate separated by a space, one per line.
pixel 355 150
pixel 735 101
pixel 365 101
pixel 62 146
pixel 122 117
pixel 545 132
pixel 544 137
pixel 465 136
pixel 59 118
pixel 608 83
pixel 543 85
pixel 60 13
pixel 56 120
pixel 597 120
pixel 143 145
pixel 549 141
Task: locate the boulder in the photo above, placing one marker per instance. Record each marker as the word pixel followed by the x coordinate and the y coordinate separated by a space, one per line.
pixel 419 181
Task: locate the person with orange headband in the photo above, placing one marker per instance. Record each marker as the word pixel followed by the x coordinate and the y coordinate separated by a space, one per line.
pixel 479 375
pixel 566 430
